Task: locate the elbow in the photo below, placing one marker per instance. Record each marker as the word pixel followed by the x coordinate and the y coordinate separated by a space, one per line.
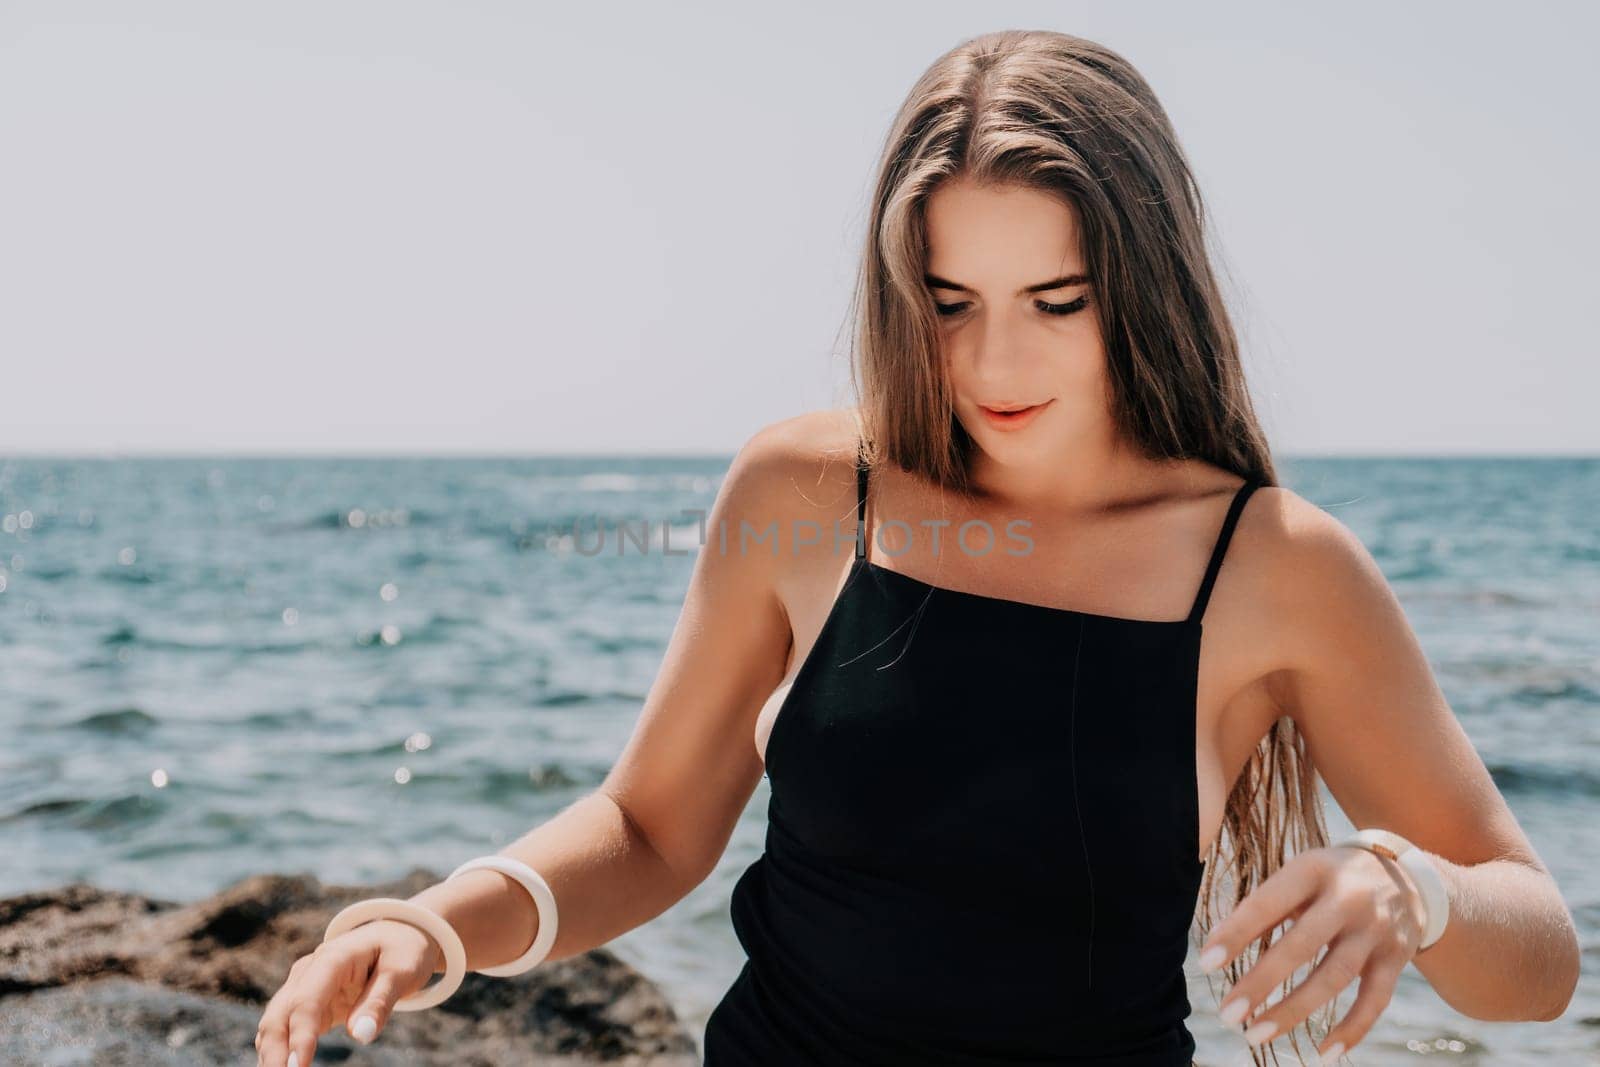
pixel 1562 970
pixel 685 874
pixel 1568 986
pixel 1543 993
pixel 1558 1011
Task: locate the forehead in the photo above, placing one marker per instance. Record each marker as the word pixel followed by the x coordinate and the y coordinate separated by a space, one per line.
pixel 998 235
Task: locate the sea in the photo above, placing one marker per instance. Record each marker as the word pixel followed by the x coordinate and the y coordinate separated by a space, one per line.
pixel 352 666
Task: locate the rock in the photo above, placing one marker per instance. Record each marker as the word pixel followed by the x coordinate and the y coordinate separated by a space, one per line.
pixel 118 1021
pixel 94 976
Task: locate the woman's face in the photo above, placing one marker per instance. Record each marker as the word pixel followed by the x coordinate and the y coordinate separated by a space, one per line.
pixel 1006 275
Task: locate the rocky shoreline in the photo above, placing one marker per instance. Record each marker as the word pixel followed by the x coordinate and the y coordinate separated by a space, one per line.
pixel 95 976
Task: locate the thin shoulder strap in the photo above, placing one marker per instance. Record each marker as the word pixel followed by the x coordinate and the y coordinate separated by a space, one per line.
pixel 1243 494
pixel 861 500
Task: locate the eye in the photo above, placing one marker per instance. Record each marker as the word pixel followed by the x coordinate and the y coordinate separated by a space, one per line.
pixel 1063 309
pixel 951 310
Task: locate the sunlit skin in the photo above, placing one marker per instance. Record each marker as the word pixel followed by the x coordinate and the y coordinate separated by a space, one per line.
pixel 1301 622
pixel 1382 736
pixel 1007 342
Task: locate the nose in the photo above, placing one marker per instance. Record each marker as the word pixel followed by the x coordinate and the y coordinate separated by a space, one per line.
pixel 994 351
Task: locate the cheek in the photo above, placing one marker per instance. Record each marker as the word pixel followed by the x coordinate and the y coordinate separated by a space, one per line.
pixel 1077 355
pixel 954 359
pixel 1084 365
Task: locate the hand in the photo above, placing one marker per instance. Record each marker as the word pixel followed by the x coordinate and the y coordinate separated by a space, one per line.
pixel 373 965
pixel 1363 906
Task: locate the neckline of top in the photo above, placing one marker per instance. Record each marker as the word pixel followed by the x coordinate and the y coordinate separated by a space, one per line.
pixel 1049 609
pixel 1196 614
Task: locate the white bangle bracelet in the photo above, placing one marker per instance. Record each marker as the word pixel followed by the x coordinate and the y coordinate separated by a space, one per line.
pixel 1429 883
pixel 431 923
pixel 543 900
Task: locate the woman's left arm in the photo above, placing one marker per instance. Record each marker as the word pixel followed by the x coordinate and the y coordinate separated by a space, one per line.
pixel 1378 729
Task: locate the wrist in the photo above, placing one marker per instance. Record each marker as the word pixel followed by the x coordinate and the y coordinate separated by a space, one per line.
pixel 433 957
pixel 1422 876
pixel 402 921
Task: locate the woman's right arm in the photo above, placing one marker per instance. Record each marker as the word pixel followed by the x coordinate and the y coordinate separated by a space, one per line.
pixel 651 832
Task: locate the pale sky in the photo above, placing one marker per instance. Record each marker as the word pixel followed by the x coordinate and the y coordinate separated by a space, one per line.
pixel 521 228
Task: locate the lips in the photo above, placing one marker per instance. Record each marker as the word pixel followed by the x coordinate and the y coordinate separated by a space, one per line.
pixel 1011 416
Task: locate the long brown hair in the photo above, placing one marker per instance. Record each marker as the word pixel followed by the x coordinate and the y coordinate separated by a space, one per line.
pixel 1072 118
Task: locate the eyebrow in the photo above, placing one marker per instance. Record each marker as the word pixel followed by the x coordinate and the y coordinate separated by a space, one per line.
pixel 933 281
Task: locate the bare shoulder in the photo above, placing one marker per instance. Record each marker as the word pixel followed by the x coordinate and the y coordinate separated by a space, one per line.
pixel 807 439
pixel 1316 577
pixel 689 768
pixel 795 469
pixel 1277 533
pixel 1277 528
pixel 1270 542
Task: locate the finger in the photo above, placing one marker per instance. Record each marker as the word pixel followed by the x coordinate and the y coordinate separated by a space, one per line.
pixel 304 1013
pixel 272 1033
pixel 306 990
pixel 1378 982
pixel 1318 926
pixel 1285 893
pixel 377 1002
pixel 304 1020
pixel 275 1016
pixel 1347 958
pixel 272 1050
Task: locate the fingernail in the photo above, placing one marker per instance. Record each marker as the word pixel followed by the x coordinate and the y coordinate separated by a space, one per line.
pixel 1234 1011
pixel 365 1029
pixel 1333 1051
pixel 1260 1031
pixel 1212 958
pixel 294 1059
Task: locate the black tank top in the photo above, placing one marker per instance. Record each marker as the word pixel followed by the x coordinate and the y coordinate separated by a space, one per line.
pixel 982 839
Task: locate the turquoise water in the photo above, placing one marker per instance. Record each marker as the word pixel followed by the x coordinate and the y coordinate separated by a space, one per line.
pixel 213 668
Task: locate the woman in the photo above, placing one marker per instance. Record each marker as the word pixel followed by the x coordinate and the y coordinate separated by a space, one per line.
pixel 1002 772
